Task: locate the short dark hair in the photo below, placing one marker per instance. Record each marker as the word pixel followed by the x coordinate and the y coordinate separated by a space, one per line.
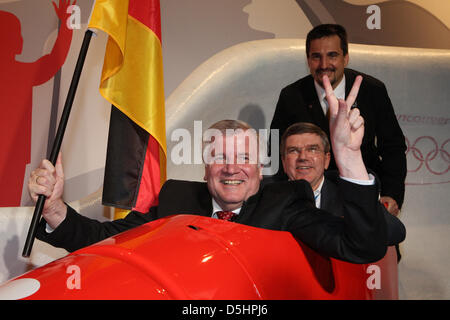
pixel 327 30
pixel 301 128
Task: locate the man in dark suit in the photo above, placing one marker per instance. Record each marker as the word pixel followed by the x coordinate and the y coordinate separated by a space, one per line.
pixel 383 147
pixel 233 174
pixel 305 154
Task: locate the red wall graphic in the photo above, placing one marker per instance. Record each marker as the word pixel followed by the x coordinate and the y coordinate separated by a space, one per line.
pixel 17 80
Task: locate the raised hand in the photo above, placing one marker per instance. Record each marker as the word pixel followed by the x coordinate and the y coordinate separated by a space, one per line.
pixel 390 204
pixel 61 11
pixel 346 131
pixel 48 180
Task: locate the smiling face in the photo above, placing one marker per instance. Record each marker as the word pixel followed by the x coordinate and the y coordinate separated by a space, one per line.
pixel 233 173
pixel 327 58
pixel 304 158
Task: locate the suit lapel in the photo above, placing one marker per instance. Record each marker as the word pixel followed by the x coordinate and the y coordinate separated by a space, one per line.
pixel 205 202
pixel 248 208
pixel 313 105
pixel 350 77
pixel 325 195
pixel 329 200
pixel 184 197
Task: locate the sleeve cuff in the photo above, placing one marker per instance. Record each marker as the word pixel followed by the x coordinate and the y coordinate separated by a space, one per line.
pixel 369 182
pixel 48 229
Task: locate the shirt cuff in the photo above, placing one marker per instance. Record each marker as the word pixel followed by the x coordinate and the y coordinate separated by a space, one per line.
pixel 48 229
pixel 369 182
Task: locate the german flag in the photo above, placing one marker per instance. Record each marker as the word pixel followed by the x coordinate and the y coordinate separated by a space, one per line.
pixel 132 80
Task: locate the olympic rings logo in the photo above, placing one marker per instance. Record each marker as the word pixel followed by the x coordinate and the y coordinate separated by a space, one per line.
pixel 427 153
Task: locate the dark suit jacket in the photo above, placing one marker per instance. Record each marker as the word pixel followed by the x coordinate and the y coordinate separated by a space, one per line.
pixel 331 201
pixel 383 146
pixel 287 206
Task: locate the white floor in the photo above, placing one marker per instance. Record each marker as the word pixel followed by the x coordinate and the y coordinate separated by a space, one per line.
pixel 424 271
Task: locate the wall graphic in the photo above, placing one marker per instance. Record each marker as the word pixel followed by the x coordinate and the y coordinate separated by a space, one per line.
pixel 39 83
pixel 17 80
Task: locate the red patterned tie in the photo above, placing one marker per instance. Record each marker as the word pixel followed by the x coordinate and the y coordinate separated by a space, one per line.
pixel 225 215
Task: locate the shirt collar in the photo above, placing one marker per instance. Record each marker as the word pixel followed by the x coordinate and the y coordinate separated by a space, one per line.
pixel 339 92
pixel 318 194
pixel 217 208
pixel 319 188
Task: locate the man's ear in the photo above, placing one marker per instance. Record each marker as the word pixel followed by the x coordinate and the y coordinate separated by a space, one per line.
pixel 283 165
pixel 346 60
pixel 327 160
pixel 205 177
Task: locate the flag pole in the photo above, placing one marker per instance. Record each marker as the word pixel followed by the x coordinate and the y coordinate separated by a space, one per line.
pixel 58 139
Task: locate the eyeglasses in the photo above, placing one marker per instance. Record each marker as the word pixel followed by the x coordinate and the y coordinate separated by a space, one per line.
pixel 310 150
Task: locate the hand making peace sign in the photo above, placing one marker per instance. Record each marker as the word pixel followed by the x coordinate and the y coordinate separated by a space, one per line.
pixel 346 130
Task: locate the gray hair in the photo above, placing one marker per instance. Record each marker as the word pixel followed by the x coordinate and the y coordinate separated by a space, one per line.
pixel 225 128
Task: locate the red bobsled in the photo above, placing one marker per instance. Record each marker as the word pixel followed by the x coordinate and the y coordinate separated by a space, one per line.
pixel 192 257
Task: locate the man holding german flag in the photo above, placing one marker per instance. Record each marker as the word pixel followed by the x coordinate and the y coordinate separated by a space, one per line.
pixel 132 80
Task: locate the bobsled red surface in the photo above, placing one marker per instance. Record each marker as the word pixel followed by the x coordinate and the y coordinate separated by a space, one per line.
pixel 193 257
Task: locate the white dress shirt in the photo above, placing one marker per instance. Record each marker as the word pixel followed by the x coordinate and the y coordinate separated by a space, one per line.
pixel 318 191
pixel 339 92
pixel 217 208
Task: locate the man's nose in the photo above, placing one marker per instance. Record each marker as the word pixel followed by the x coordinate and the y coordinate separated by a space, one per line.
pixel 323 62
pixel 231 168
pixel 301 154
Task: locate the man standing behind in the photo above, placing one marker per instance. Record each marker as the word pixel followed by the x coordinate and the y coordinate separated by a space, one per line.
pixel 383 147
